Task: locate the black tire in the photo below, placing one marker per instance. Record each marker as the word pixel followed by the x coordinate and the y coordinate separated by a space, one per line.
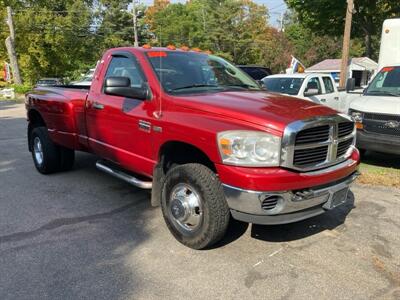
pixel 67 158
pixel 50 161
pixel 214 210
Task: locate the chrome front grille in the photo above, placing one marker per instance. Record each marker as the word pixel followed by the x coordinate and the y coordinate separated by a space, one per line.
pixel 343 147
pixel 317 143
pixel 315 134
pixel 304 157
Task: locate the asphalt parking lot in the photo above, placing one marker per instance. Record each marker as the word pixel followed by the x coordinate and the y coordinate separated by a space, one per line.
pixel 85 235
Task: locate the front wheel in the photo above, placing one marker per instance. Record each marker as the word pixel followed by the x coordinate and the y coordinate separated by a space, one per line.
pixel 194 206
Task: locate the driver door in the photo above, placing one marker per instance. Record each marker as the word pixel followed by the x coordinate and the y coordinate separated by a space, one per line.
pixel 115 122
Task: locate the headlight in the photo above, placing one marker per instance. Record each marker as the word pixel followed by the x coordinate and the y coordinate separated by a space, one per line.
pixel 249 148
pixel 356 116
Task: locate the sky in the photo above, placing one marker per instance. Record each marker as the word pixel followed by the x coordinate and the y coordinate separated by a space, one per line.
pixel 275 7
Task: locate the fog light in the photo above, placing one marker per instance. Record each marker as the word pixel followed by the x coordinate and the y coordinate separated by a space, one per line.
pixel 270 202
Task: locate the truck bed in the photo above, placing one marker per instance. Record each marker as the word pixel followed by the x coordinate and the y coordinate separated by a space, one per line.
pixel 63 108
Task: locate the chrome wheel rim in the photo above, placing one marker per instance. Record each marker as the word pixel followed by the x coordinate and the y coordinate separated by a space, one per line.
pixel 185 208
pixel 38 150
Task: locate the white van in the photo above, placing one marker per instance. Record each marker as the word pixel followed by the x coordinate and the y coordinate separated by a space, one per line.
pixel 377 110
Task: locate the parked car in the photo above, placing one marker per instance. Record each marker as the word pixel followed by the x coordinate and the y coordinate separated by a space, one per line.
pixel 319 88
pixel 377 110
pixel 49 82
pixel 203 136
pixel 86 80
pixel 256 72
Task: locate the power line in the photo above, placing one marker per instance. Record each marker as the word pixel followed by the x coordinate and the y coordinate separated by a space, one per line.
pixel 273 8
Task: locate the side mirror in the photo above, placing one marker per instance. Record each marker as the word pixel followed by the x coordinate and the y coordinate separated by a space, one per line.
pixel 262 84
pixel 350 84
pixel 311 92
pixel 121 86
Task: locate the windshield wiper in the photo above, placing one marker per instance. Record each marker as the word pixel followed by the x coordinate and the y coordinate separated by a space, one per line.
pixel 383 93
pixel 194 86
pixel 244 86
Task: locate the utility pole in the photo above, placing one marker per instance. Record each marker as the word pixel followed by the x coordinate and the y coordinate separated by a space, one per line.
pixel 136 42
pixel 10 45
pixel 346 43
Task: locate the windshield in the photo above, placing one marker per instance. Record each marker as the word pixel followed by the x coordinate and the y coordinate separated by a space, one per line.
pixel 284 85
pixel 386 83
pixel 189 72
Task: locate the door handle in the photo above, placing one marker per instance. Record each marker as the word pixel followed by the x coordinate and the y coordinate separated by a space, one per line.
pixel 97 105
pixel 336 98
pixel 323 100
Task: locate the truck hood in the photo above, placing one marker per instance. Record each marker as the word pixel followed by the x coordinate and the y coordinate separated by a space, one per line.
pixel 377 104
pixel 270 110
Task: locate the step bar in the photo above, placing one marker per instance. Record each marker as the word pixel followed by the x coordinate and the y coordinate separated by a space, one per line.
pixel 101 165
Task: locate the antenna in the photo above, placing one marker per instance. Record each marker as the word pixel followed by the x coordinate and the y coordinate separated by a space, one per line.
pixel 158 114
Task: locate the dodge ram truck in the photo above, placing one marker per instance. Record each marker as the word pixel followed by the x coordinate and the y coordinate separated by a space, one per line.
pixel 208 141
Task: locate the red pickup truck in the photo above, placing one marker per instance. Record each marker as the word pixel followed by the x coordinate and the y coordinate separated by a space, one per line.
pixel 208 141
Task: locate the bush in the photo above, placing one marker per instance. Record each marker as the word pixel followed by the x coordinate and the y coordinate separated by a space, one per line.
pixel 21 88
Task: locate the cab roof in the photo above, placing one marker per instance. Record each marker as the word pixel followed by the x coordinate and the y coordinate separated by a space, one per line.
pixel 146 49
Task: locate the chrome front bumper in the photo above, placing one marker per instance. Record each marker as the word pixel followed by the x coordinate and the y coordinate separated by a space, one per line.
pixel 291 206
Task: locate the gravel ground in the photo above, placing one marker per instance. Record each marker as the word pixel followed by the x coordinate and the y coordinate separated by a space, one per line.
pixel 85 235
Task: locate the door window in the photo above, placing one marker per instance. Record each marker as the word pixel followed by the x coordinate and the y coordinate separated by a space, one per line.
pixel 125 67
pixel 328 85
pixel 314 84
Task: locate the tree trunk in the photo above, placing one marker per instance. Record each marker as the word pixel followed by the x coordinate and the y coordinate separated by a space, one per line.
pixel 368 45
pixel 13 60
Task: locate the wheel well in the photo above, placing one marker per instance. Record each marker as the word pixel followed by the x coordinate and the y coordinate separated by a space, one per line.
pixel 35 120
pixel 178 153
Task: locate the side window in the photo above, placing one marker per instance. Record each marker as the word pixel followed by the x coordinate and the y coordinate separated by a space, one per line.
pixel 314 83
pixel 328 85
pixel 125 67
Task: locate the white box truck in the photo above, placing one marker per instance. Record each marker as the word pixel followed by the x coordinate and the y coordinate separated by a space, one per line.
pixel 377 111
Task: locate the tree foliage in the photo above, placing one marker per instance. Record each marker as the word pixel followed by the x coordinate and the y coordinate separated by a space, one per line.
pixel 326 17
pixel 63 38
pixel 236 30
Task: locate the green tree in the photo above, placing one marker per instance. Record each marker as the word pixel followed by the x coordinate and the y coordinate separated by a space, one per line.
pixel 236 30
pixel 326 17
pixel 53 38
pixel 116 24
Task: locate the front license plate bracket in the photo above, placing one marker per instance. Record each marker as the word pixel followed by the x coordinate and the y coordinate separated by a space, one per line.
pixel 337 198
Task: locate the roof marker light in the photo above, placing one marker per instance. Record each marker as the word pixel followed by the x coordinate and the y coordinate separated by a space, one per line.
pixel 387 69
pixel 185 48
pixel 196 49
pixel 171 47
pixel 157 54
pixel 146 46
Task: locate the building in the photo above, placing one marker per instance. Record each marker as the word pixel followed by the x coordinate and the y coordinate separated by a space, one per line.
pixel 359 68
